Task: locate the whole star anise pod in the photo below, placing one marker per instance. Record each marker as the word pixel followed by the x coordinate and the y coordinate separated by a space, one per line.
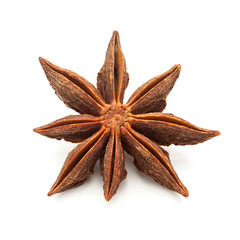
pixel 106 127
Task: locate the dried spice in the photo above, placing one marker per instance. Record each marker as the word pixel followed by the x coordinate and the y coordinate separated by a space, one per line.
pixel 105 127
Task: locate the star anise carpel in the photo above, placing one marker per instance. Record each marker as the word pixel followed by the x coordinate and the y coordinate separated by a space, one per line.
pixel 104 127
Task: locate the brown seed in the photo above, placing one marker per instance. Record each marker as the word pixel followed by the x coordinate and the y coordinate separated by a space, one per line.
pixel 106 127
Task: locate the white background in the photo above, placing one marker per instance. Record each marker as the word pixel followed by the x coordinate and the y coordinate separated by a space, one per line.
pixel 203 36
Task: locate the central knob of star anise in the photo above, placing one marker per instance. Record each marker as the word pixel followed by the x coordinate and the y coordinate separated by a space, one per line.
pixel 115 116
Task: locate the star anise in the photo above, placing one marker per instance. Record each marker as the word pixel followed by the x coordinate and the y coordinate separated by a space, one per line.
pixel 106 127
